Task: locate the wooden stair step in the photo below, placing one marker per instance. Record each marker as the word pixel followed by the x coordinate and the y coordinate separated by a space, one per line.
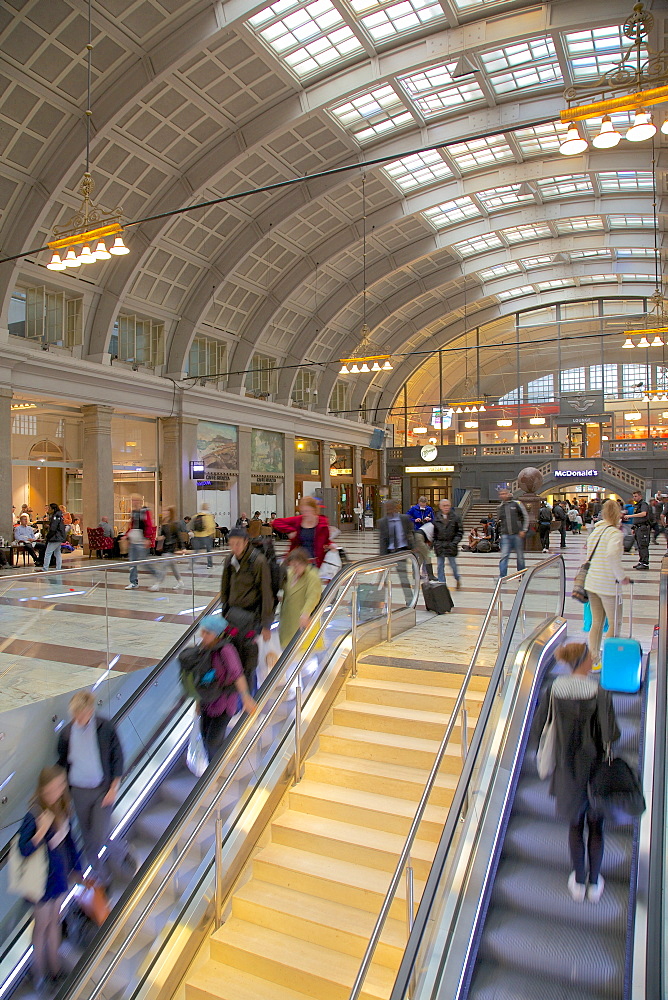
pixel 395 719
pixel 330 878
pixel 309 968
pixel 370 775
pixel 416 675
pixel 363 808
pixel 389 748
pixel 215 981
pixel 346 841
pixel 421 697
pixel 321 921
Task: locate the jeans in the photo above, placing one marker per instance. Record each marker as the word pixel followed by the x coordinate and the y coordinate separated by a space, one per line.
pixel 594 846
pixel 511 543
pixel 204 543
pixel 53 548
pixel 544 530
pixel 440 567
pixel 95 825
pixel 139 551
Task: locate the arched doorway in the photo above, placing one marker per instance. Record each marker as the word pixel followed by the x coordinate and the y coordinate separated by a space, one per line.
pixel 45 484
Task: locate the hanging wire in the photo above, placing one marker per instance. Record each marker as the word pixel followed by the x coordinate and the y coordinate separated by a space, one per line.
pixel 89 57
pixel 364 256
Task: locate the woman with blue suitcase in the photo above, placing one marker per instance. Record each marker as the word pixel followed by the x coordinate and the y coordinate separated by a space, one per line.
pixel 604 552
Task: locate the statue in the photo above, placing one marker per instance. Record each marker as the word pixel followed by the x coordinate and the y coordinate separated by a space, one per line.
pixel 530 481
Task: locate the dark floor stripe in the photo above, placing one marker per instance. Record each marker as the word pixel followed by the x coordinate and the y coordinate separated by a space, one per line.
pixel 84 609
pixel 72 655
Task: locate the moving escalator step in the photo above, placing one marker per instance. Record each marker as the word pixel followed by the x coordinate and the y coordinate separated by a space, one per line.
pixel 488 985
pixel 540 842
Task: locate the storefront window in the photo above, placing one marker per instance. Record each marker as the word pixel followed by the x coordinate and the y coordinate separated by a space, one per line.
pixel 370 465
pixel 307 458
pixel 134 454
pixel 340 461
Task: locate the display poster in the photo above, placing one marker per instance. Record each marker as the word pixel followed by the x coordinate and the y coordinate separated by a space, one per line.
pixel 218 446
pixel 266 452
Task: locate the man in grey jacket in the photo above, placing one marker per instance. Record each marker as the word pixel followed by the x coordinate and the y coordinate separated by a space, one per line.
pixel 513 524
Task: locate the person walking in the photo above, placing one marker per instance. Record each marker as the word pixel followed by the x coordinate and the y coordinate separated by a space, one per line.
pixel 604 552
pixel 90 752
pixel 140 534
pixel 46 826
pixel 302 588
pixel 171 531
pixel 204 532
pixel 309 530
pixel 641 517
pixel 55 536
pixel 247 599
pixel 513 520
pixel 212 674
pixel 586 726
pixel 396 534
pixel 544 523
pixel 561 516
pixel 448 533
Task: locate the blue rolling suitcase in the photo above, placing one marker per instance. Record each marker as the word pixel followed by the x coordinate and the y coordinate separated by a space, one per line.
pixel 621 661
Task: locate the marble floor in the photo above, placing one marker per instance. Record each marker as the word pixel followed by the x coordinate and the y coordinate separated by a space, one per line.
pixel 61 631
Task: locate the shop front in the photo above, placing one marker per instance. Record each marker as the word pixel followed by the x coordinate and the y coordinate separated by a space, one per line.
pixel 134 454
pixel 308 479
pixel 47 455
pixel 371 498
pixel 342 480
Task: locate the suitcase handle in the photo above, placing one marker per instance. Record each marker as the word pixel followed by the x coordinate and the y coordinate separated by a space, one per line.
pixel 617 603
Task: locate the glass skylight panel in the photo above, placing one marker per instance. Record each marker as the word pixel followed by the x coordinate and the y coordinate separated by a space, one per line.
pixel 374 114
pixel 418 170
pixel 636 277
pixel 513 293
pixel 478 244
pixel 307 36
pixel 519 234
pixel 596 50
pixel 539 139
pixel 387 20
pixel 580 225
pixel 478 153
pixel 581 254
pixel 625 180
pixel 434 92
pixel 499 271
pixel 451 212
pixel 495 198
pixel 545 260
pixel 634 252
pixel 545 286
pixel 597 279
pixel 530 63
pixel 631 221
pixel 565 185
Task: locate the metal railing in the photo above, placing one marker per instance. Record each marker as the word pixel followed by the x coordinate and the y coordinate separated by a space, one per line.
pixel 174 842
pixel 403 864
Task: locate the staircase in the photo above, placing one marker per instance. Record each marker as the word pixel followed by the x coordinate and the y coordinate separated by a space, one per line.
pixel 474 514
pixel 300 924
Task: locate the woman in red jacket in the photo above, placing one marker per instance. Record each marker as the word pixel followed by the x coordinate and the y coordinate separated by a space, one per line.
pixel 308 530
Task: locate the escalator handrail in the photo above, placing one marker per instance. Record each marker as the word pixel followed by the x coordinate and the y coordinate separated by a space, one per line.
pixel 81 974
pixel 462 786
pixel 122 564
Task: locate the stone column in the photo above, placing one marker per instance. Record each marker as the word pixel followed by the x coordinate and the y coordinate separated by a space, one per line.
pixel 289 475
pixel 98 472
pixel 6 461
pixel 244 481
pixel 179 449
pixel 357 479
pixel 325 477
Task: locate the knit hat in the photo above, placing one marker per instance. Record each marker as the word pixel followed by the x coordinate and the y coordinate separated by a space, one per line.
pixel 214 623
pixel 238 533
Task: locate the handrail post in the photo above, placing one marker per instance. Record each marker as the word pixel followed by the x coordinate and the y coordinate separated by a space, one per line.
pixel 410 911
pixel 388 599
pixel 464 733
pixel 106 615
pixel 298 731
pixel 499 617
pixel 353 629
pixel 218 874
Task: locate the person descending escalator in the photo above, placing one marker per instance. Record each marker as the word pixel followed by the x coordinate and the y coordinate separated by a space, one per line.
pixel 247 599
pixel 585 726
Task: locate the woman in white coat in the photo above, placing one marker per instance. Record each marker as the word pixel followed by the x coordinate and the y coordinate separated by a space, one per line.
pixel 604 550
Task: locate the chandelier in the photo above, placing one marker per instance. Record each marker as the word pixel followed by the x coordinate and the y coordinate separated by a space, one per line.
pixel 641 75
pixel 91 225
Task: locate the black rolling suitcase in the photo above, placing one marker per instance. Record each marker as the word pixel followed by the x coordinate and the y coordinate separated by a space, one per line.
pixel 437 597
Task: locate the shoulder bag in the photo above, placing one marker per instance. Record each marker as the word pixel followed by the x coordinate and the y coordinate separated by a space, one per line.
pixel 615 791
pixel 546 758
pixel 27 876
pixel 579 593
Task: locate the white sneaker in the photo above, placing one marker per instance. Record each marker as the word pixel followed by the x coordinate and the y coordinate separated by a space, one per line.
pixel 594 892
pixel 180 585
pixel 577 890
pixel 132 586
pixel 154 587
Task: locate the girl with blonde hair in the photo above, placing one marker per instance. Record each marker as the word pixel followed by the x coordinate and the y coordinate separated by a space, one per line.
pixel 604 552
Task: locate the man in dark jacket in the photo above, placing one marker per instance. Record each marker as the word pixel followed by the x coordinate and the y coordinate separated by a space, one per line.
pixel 560 511
pixel 396 534
pixel 513 525
pixel 448 534
pixel 247 599
pixel 55 536
pixel 91 753
pixel 642 519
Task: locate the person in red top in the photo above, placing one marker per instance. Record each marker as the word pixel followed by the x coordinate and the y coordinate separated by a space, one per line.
pixel 141 535
pixel 308 530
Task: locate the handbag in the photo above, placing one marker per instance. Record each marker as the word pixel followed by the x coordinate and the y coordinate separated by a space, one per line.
pixel 197 758
pixel 94 903
pixel 27 876
pixel 330 565
pixel 615 791
pixel 546 758
pixel 579 593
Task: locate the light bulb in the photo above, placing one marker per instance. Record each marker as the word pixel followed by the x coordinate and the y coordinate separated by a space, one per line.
pixel 56 264
pixel 101 252
pixel 354 370
pixel 71 259
pixel 387 367
pixel 628 343
pixel 344 370
pixel 537 421
pixel 482 409
pixel 657 342
pixel 459 410
pixel 608 135
pixel 642 128
pixel 467 409
pixel 87 256
pixel 643 342
pixel 364 367
pixel 664 127
pixel 504 423
pixel 119 248
pixel 375 367
pixel 573 143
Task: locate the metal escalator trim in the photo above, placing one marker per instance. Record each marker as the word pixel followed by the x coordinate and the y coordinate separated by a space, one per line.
pixel 409 958
pixel 343 582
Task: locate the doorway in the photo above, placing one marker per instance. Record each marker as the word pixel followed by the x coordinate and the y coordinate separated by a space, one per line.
pixel 45 483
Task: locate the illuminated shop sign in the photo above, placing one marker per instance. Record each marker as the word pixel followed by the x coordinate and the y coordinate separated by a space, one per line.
pixel 429 468
pixel 577 473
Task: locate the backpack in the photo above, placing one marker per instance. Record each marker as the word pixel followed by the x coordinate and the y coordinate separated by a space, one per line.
pixel 573 515
pixel 198 523
pixel 198 675
pixel 545 515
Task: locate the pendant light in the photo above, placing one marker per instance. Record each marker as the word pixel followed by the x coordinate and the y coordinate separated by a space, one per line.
pixel 628 343
pixel 644 342
pixel 608 137
pixel 642 128
pixel 119 248
pixel 71 259
pixel 56 264
pixel 101 252
pixel 573 143
pixel 87 256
